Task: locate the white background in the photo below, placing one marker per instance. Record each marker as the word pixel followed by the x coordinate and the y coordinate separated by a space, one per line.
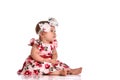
pixel 88 35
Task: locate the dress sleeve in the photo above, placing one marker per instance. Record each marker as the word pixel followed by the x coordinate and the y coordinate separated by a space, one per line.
pixel 32 42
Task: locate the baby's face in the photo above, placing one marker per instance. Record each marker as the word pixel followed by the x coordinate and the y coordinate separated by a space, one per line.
pixel 51 35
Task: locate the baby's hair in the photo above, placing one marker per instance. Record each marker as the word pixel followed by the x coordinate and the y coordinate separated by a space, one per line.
pixel 37 29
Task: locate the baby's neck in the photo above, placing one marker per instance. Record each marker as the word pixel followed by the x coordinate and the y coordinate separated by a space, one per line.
pixel 45 42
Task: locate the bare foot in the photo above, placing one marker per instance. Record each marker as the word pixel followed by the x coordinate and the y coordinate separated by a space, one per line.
pixel 63 72
pixel 75 71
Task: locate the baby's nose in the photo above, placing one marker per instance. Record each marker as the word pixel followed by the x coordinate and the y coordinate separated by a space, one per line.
pixel 54 34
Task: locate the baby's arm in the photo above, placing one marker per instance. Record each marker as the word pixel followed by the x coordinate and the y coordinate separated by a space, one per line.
pixel 54 56
pixel 35 55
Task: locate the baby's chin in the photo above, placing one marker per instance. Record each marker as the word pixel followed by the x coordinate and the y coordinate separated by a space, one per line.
pixel 52 40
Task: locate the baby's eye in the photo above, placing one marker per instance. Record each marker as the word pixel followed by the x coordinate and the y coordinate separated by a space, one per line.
pixel 53 31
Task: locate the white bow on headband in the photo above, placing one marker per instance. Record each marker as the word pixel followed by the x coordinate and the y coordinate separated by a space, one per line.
pixel 46 26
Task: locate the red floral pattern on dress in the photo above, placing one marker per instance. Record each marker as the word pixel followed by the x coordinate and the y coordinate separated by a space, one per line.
pixel 36 72
pixel 47 66
pixel 27 72
pixel 41 48
pixel 38 64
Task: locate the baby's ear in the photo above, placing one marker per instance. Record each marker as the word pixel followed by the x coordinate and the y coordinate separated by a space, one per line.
pixel 42 33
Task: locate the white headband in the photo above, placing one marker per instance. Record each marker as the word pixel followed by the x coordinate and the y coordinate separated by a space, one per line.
pixel 46 26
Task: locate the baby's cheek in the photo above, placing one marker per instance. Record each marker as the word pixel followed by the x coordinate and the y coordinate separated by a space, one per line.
pixel 50 35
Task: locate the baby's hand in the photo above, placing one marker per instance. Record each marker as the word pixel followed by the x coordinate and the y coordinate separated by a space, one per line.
pixel 54 61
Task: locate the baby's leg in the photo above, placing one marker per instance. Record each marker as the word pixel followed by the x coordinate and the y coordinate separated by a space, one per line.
pixel 59 73
pixel 75 71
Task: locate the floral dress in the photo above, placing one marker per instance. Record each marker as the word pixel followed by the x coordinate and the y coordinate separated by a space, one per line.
pixel 32 67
